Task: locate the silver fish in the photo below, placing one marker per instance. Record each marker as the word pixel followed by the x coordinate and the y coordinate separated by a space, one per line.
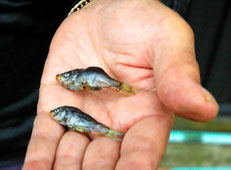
pixel 76 119
pixel 92 78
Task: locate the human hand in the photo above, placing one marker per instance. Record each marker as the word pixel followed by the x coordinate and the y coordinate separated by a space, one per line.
pixel 142 43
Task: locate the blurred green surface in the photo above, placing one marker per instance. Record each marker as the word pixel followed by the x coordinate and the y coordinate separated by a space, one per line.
pixel 196 154
pixel 219 124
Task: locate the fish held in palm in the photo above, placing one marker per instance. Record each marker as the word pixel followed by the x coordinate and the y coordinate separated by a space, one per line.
pixel 92 78
pixel 74 118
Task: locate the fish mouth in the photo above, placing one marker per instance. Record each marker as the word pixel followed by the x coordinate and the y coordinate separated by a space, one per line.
pixel 52 113
pixel 64 83
pixel 58 77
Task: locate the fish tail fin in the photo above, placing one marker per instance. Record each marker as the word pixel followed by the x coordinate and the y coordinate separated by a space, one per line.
pixel 115 135
pixel 126 89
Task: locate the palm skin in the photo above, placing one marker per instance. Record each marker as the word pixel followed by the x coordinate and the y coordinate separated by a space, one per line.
pixel 142 43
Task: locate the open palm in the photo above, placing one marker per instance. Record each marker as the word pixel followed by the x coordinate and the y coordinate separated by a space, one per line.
pixel 144 44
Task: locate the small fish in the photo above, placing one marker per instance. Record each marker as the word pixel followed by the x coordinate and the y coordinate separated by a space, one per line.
pixel 76 119
pixel 92 78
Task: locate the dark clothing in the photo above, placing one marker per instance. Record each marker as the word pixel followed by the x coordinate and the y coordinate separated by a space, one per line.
pixel 26 29
pixel 210 21
pixel 17 166
pixel 211 26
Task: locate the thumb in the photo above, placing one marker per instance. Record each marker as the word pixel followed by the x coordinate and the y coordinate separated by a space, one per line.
pixel 177 72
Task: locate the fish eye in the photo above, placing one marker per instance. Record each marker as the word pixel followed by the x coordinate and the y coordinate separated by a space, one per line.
pixel 57 110
pixel 67 74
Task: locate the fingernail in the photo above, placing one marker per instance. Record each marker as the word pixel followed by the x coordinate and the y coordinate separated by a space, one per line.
pixel 208 96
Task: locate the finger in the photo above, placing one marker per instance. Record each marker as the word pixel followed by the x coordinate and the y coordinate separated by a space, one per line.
pixel 145 143
pixel 70 151
pixel 43 143
pixel 102 153
pixel 177 72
